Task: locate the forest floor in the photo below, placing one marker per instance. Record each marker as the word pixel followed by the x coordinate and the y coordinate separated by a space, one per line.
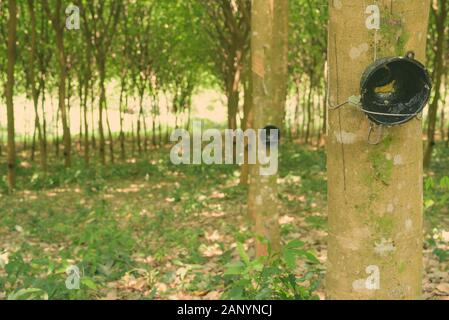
pixel 146 229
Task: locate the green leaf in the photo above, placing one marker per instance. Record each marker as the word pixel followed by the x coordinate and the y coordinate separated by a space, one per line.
pixel 236 293
pixel 310 256
pixel 242 253
pixel 28 294
pixel 444 182
pixel 428 203
pixel 429 184
pixel 234 268
pixel 88 282
pixel 289 258
pixel 264 294
pixel 294 244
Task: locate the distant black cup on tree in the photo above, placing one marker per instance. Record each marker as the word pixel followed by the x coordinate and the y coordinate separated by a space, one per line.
pixel 270 135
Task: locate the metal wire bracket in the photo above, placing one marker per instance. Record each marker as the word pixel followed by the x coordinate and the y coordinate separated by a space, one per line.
pixel 372 128
pixel 355 101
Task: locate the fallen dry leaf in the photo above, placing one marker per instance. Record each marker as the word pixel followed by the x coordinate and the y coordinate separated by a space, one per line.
pixel 443 288
pixel 286 220
pixel 210 251
pixel 212 236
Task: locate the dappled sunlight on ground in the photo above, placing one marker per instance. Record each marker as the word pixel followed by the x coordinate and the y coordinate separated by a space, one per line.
pixel 148 233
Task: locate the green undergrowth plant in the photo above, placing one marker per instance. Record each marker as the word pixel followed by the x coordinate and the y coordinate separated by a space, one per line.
pixel 274 276
pixel 436 203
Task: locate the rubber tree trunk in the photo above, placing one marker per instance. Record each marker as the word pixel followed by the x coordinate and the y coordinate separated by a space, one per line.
pixel 58 26
pixel 121 111
pixel 9 94
pixel 80 128
pixel 232 90
pixel 246 124
pixel 86 122
pixel 110 136
pixel 92 116
pixel 62 107
pixel 269 75
pixel 34 89
pixel 438 73
pixel 101 108
pixel 139 119
pixel 374 191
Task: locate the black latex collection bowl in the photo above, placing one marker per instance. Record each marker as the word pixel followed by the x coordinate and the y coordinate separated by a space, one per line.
pixel 394 90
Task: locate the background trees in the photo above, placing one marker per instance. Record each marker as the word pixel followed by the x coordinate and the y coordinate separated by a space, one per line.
pixel 439 13
pixel 227 24
pixel 111 93
pixel 184 46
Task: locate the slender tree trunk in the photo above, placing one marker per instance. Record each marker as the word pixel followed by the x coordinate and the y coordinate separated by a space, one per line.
pixel 246 124
pixel 440 15
pixel 442 122
pixel 42 87
pixel 189 117
pixel 319 131
pixel 101 106
pixel 139 123
pixel 269 51
pixel 56 136
pixel 9 92
pixel 25 135
pixel 304 114
pixel 69 96
pixel 232 90
pixel 122 133
pixel 133 139
pixel 374 191
pixel 110 136
pixel 64 116
pixel 446 135
pixel 324 125
pixel 92 114
pixel 153 121
pixel 309 111
pixel 80 128
pixel 33 142
pixel 44 126
pixel 145 132
pixel 443 110
pixel 447 139
pixel 86 123
pixel 159 128
pixel 59 27
pixel 297 107
pixel 167 115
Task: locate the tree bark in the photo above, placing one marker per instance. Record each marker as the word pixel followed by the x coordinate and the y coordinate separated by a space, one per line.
pixel 232 91
pixel 374 191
